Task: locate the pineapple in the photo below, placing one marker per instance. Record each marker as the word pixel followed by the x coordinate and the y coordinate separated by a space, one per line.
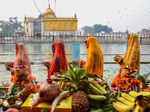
pixel 80 102
pixel 78 85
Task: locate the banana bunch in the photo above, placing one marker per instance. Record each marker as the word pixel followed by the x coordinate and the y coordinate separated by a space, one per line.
pixel 135 94
pixel 126 102
pixel 97 92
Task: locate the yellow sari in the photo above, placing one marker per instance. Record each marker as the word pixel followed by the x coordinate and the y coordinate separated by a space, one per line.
pixel 131 57
pixel 130 60
pixel 95 59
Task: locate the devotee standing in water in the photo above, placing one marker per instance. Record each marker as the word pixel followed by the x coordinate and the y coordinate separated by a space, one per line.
pixel 94 60
pixel 59 60
pixel 129 63
pixel 22 75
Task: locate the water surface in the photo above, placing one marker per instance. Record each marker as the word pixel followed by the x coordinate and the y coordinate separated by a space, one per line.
pixel 39 52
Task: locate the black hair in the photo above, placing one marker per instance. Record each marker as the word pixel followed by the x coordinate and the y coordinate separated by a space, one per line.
pixel 139 99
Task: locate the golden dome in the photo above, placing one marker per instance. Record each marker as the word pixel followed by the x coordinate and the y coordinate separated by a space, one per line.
pixel 49 13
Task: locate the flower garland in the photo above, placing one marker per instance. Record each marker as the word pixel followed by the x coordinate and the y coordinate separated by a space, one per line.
pixel 127 84
pixel 29 83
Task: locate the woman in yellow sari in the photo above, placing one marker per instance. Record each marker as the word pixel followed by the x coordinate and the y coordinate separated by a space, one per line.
pixel 95 61
pixel 132 55
pixel 130 62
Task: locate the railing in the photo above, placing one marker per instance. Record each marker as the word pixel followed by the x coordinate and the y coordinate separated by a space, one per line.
pixel 47 37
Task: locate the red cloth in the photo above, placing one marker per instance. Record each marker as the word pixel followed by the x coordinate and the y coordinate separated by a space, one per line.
pixel 22 57
pixel 59 60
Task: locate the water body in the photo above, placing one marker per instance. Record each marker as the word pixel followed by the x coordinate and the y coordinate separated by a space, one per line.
pixel 39 52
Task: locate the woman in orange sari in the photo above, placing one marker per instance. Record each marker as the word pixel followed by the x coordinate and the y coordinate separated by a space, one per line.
pixel 130 62
pixel 95 61
pixel 22 58
pixel 21 70
pixel 59 60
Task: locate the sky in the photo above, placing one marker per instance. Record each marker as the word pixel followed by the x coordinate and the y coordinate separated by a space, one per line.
pixel 121 15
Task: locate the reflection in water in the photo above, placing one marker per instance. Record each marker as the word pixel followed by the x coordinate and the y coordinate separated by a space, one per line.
pixel 41 52
pixel 36 48
pixel 7 48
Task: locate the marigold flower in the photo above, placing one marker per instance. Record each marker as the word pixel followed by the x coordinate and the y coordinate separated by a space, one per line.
pixel 33 78
pixel 138 81
pixel 102 83
pixel 34 88
pixel 22 83
pixel 28 85
pixel 38 86
pixel 29 77
pixel 13 79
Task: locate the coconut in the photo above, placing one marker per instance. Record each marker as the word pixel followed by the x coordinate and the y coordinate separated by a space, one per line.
pixel 48 92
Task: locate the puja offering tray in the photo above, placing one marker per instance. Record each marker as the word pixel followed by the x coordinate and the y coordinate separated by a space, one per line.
pixel 64 106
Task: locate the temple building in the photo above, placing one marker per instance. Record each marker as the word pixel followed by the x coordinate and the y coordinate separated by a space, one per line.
pixel 49 23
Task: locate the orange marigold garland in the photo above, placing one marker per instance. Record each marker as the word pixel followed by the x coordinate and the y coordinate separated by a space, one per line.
pixel 29 83
pixel 126 84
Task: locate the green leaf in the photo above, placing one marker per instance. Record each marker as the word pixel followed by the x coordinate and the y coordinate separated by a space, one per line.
pixel 44 110
pixel 63 71
pixel 14 89
pixel 92 76
pixel 65 77
pixel 70 66
pixel 81 71
pixel 141 78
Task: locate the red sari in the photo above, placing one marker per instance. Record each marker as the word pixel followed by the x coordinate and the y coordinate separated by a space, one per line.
pixel 59 60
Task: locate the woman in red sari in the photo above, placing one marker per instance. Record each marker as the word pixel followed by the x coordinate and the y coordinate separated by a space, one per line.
pixel 59 60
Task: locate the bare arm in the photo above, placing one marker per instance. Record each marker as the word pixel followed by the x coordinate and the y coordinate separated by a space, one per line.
pixel 8 65
pixel 46 64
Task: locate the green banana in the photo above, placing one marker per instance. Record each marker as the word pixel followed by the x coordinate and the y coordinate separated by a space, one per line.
pixel 95 89
pixel 96 97
pixel 103 91
pixel 98 110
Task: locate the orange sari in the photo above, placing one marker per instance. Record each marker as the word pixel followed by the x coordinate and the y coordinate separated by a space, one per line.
pixel 95 60
pixel 22 57
pixel 22 63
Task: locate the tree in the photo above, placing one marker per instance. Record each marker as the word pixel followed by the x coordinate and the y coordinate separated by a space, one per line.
pixel 97 28
pixel 87 29
pixel 11 26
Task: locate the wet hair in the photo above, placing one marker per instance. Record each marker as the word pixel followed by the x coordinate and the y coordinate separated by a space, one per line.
pixel 147 110
pixel 139 99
